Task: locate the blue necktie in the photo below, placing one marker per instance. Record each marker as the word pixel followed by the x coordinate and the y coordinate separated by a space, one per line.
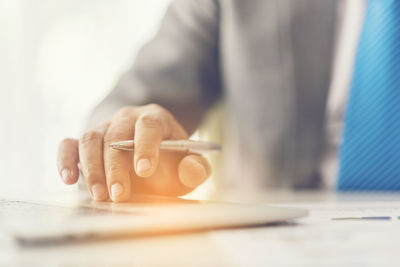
pixel 370 152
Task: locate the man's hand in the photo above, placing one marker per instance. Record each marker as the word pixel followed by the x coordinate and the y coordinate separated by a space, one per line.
pixel 116 174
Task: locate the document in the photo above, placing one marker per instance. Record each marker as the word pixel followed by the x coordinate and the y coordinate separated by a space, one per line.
pixel 318 240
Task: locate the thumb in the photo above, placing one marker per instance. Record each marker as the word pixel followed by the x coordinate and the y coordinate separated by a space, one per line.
pixel 193 170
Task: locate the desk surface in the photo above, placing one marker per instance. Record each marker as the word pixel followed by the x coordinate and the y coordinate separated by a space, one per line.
pixel 313 241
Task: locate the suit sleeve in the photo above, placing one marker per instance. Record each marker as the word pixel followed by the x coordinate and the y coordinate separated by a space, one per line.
pixel 178 69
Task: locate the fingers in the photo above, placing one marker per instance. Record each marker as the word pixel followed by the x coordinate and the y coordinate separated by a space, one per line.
pixel 118 164
pixel 150 129
pixel 193 170
pixel 152 126
pixel 108 172
pixel 67 161
pixel 91 160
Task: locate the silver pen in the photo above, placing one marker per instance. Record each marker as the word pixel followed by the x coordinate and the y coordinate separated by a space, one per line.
pixel 188 146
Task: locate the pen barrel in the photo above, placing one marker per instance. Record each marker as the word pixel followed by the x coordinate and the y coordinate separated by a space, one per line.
pixel 188 146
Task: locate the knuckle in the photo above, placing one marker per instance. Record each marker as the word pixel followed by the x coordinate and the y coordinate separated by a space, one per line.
pixel 90 171
pixel 114 169
pixel 149 120
pixel 113 136
pixel 92 178
pixel 154 106
pixel 90 136
pixel 67 141
pixel 65 159
pixel 125 111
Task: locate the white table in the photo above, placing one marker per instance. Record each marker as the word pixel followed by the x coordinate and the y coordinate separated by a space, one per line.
pixel 313 241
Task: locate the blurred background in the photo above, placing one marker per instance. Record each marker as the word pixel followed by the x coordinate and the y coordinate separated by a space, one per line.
pixel 58 59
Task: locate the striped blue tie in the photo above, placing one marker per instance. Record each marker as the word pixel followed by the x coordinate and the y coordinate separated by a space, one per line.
pixel 370 152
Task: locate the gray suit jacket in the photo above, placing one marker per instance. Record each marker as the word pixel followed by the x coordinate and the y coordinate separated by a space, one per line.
pixel 269 59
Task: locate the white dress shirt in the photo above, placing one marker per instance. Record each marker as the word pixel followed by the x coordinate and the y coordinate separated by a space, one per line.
pixel 351 18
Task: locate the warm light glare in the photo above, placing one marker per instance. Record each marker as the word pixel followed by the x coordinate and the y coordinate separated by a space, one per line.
pixel 58 60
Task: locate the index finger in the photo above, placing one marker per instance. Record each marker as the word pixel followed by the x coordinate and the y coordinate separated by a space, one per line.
pixel 149 131
pixel 152 126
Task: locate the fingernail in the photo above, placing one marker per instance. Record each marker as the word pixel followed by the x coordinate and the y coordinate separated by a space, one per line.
pixel 66 175
pixel 198 166
pixel 98 192
pixel 194 176
pixel 143 165
pixel 116 190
